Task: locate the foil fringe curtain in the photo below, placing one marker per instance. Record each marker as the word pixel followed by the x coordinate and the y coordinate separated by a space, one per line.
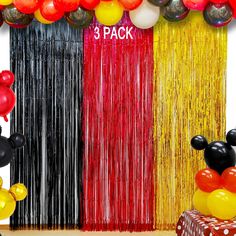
pixel 118 161
pixel 114 167
pixel 189 99
pixel 47 62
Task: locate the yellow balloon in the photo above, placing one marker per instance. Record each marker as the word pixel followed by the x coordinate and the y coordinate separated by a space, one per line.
pixel 200 202
pixel 7 204
pixel 6 2
pixel 19 191
pixel 109 12
pixel 221 204
pixel 38 16
pixel 1 182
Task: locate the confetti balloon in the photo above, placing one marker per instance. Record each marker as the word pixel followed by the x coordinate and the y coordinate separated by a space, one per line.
pixel 38 16
pixel 27 6
pixel 131 4
pixel 175 10
pixel 50 12
pixel 145 16
pixel 109 13
pixel 89 4
pixel 218 14
pixel 198 5
pixel 159 3
pixel 79 18
pixel 6 2
pixel 16 19
pixel 66 5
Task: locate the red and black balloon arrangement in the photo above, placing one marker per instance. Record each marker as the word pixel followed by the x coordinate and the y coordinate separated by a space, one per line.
pixel 143 13
pixel 17 192
pixel 216 194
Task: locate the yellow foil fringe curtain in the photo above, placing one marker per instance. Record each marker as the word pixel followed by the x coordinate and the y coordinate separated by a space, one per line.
pixel 189 99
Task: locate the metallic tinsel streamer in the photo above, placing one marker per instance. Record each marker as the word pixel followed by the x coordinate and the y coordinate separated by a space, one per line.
pixel 47 62
pixel 189 99
pixel 118 181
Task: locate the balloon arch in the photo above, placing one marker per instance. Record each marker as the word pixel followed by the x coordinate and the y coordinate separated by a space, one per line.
pixel 144 14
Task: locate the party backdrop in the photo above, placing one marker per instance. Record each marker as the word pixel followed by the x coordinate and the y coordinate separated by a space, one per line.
pixel 189 99
pixel 47 63
pixel 109 121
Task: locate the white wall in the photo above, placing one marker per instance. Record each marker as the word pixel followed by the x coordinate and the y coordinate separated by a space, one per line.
pixel 231 86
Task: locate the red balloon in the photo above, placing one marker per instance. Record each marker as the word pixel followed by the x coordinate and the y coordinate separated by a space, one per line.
pixel 89 4
pixel 66 5
pixel 7 78
pixel 228 179
pixel 130 4
pixel 50 12
pixel 27 6
pixel 198 5
pixel 1 7
pixel 233 5
pixel 208 180
pixel 7 96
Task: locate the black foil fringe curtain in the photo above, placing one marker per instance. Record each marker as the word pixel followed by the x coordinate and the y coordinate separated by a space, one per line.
pixel 47 62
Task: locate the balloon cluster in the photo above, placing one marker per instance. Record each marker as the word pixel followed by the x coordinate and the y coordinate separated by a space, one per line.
pixel 216 193
pixel 18 191
pixel 144 14
pixel 8 199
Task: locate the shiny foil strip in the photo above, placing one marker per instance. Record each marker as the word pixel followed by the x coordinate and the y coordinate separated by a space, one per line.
pixel 118 182
pixel 189 99
pixel 48 64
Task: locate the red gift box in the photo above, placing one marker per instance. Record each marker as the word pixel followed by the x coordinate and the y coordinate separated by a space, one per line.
pixel 193 223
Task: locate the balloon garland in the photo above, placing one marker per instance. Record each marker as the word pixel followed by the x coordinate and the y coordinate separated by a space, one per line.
pixel 216 193
pixel 17 192
pixel 144 14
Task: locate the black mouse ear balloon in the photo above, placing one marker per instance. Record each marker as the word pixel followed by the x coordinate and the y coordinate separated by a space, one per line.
pixel 199 142
pixel 219 156
pixel 231 137
pixel 1 19
pixel 7 147
pixel 17 140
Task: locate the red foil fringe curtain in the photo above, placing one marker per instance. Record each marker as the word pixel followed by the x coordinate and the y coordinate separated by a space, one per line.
pixel 118 171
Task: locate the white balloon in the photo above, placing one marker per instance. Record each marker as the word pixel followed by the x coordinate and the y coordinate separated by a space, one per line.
pixel 145 16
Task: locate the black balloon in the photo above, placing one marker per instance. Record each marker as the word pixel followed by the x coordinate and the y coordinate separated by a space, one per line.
pixel 7 147
pixel 218 14
pixel 175 10
pixel 80 18
pixel 231 137
pixel 199 142
pixel 1 19
pixel 159 3
pixel 218 155
pixel 16 19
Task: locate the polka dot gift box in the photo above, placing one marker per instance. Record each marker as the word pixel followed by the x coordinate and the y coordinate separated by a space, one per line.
pixel 194 223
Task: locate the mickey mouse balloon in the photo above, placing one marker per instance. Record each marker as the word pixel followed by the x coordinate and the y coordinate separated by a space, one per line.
pixel 8 145
pixel 7 96
pixel 219 155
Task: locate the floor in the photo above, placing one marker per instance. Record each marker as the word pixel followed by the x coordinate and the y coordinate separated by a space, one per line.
pixel 73 233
